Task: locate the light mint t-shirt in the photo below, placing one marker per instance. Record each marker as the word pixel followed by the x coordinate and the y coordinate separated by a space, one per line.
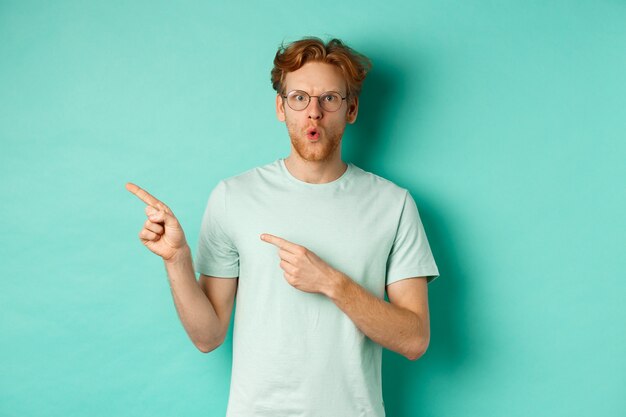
pixel 296 353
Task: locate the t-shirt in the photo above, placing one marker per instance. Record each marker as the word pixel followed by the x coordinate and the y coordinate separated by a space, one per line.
pixel 296 353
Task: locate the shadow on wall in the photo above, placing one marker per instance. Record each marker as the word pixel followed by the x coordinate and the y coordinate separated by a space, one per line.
pixel 366 137
pixel 403 380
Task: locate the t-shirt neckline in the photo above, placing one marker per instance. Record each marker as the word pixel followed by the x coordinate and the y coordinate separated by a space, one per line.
pixel 335 182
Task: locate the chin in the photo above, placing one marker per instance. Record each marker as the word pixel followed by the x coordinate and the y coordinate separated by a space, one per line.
pixel 320 151
pixel 315 152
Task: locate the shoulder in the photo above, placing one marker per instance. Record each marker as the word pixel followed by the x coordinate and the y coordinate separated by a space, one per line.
pixel 250 178
pixel 374 183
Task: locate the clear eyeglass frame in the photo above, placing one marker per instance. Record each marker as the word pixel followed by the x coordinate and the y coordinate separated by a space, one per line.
pixel 299 100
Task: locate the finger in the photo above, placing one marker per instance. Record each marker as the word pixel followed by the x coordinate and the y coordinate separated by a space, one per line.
pixel 161 206
pixel 154 227
pixel 165 218
pixel 287 267
pixel 143 195
pixel 148 235
pixel 280 242
pixel 152 211
pixel 148 243
pixel 287 256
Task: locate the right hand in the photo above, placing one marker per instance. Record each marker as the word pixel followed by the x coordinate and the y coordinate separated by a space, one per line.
pixel 161 233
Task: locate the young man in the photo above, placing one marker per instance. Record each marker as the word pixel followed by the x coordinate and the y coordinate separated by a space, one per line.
pixel 308 244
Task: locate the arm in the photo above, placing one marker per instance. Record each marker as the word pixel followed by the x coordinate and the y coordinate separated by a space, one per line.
pixel 204 307
pixel 402 325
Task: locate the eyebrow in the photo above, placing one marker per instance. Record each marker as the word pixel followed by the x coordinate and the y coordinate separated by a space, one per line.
pixel 325 91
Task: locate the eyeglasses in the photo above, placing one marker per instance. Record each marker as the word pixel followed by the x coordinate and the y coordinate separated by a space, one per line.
pixel 299 100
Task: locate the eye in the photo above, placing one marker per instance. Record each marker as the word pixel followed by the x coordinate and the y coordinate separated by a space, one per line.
pixel 298 96
pixel 330 98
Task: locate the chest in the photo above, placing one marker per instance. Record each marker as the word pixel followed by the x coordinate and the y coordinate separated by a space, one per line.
pixel 352 233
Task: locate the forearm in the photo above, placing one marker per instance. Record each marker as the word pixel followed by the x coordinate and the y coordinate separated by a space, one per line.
pixel 393 327
pixel 194 309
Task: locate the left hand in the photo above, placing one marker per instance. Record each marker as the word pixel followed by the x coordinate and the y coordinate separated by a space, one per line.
pixel 304 270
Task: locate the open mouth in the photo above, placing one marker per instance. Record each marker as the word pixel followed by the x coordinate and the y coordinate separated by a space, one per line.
pixel 312 134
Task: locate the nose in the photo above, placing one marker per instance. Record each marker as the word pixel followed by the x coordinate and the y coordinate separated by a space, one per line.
pixel 314 109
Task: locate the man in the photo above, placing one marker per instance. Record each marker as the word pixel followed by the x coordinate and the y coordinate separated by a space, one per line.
pixel 308 244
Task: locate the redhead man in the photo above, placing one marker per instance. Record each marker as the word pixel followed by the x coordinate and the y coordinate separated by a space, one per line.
pixel 307 245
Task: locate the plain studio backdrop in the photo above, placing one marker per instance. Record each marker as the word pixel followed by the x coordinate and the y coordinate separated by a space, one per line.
pixel 505 120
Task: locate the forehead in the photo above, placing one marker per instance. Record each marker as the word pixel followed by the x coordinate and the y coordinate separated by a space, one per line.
pixel 315 78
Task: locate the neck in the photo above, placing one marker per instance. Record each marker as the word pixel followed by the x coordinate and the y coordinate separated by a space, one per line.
pixel 315 172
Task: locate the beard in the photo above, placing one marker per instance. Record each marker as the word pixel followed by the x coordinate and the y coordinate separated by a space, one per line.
pixel 322 150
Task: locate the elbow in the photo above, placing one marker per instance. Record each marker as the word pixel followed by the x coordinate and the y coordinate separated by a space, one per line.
pixel 418 349
pixel 206 347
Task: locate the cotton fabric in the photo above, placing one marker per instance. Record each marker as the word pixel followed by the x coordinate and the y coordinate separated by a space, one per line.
pixel 296 354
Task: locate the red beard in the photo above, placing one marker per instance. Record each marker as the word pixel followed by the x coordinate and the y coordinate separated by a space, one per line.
pixel 321 150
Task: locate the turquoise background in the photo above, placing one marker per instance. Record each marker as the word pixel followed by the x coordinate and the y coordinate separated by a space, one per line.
pixel 505 120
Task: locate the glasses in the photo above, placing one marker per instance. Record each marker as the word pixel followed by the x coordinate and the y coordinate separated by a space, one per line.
pixel 299 100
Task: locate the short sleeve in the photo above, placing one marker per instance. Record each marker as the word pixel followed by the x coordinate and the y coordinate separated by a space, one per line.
pixel 410 254
pixel 216 255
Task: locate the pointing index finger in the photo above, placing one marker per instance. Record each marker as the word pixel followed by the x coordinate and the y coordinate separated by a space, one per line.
pixel 143 195
pixel 279 242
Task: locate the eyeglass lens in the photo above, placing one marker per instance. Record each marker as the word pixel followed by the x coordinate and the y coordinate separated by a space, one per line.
pixel 299 100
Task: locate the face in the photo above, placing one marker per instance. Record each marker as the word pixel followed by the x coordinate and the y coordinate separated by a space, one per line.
pixel 315 133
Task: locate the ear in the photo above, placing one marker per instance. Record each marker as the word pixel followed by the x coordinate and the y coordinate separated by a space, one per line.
pixel 280 108
pixel 353 110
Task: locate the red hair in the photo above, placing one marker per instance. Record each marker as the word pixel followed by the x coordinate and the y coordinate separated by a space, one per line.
pixel 353 65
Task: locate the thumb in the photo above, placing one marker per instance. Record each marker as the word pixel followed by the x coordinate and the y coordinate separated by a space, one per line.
pixel 159 216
